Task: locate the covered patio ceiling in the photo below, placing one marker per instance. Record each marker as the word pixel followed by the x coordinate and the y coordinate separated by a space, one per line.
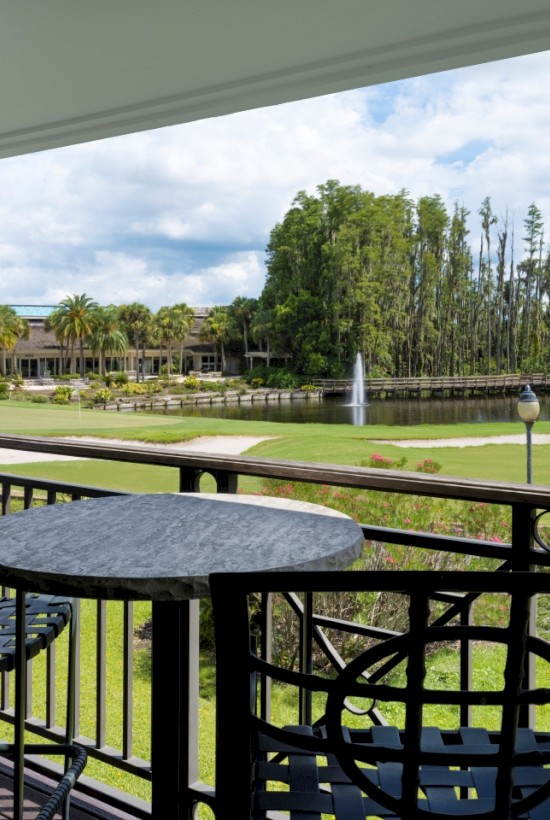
pixel 74 70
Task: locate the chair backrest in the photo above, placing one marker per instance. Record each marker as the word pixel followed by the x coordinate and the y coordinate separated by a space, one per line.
pixel 433 719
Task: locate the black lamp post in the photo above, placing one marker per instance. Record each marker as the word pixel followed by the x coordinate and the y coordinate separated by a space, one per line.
pixel 528 409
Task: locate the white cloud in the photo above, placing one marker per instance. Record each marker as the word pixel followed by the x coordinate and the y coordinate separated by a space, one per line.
pixel 184 213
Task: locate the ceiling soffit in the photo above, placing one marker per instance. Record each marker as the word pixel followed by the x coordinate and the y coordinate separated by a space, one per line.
pixel 196 71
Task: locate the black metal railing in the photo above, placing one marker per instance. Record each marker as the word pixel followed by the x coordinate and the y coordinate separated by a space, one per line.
pixel 525 550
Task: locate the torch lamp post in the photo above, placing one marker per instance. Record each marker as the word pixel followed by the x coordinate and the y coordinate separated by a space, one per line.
pixel 528 409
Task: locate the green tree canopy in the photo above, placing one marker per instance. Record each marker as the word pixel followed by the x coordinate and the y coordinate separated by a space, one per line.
pixel 136 321
pixel 12 328
pixel 73 321
pixel 219 328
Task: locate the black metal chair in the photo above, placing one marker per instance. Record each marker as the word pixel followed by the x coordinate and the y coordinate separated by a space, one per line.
pixel 374 745
pixel 28 625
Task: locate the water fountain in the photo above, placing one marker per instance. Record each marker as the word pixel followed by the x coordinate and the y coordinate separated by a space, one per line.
pixel 358 389
pixel 358 400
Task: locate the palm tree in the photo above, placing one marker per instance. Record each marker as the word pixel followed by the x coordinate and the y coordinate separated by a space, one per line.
pixel 55 323
pixel 136 322
pixel 184 318
pixel 106 336
pixel 166 331
pixel 12 328
pixel 73 322
pixel 242 310
pixel 261 329
pixel 218 327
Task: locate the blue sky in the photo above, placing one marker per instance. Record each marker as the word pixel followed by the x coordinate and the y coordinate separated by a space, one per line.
pixel 183 214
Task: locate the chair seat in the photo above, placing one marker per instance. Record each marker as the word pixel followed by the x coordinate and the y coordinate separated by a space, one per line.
pixel 45 618
pixel 314 784
pixel 322 768
pixel 42 618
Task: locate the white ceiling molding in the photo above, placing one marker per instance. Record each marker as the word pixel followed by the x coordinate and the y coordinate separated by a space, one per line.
pixel 71 71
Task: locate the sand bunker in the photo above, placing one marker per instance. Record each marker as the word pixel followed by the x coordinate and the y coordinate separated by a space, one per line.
pixel 216 445
pixel 538 438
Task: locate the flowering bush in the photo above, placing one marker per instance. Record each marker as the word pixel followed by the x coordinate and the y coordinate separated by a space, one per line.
pixel 383 462
pixel 428 466
pixel 420 514
pixel 490 522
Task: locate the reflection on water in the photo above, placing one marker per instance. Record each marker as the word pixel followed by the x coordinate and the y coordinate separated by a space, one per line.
pixel 359 414
pixel 404 412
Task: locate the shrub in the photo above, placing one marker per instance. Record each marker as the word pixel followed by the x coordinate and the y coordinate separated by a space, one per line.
pixel 192 383
pixel 134 389
pixel 90 394
pixel 4 391
pixel 37 399
pixel 257 382
pixel 121 378
pixel 384 462
pixel 308 388
pixel 260 372
pixel 164 371
pixel 212 386
pixel 154 387
pixel 103 395
pixel 62 394
pixel 428 465
pixel 281 379
pixel 115 377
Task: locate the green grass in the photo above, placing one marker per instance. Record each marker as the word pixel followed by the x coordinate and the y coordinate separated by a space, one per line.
pixel 330 444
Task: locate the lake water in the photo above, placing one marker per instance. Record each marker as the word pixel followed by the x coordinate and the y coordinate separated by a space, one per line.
pixel 378 411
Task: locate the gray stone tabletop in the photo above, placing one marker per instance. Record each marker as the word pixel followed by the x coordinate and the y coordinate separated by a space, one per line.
pixel 163 546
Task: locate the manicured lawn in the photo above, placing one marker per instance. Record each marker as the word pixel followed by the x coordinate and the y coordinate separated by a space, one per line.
pixel 331 444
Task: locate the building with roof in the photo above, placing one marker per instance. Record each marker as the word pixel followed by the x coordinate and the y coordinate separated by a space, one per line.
pixel 40 356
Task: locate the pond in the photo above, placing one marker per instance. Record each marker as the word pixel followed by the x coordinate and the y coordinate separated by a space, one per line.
pixel 403 412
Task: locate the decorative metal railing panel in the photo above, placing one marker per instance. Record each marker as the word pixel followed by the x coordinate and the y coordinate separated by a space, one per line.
pixel 527 548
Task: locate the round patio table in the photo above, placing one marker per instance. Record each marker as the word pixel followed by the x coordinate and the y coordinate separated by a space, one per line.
pixel 162 547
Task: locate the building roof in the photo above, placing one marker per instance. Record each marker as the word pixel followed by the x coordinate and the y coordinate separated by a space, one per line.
pixel 34 311
pixel 74 70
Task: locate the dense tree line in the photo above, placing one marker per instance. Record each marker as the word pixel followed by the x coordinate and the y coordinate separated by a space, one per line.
pixel 399 281
pixel 395 279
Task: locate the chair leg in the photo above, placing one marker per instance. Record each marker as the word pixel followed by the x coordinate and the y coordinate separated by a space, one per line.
pixel 21 672
pixel 71 688
pixel 20 705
